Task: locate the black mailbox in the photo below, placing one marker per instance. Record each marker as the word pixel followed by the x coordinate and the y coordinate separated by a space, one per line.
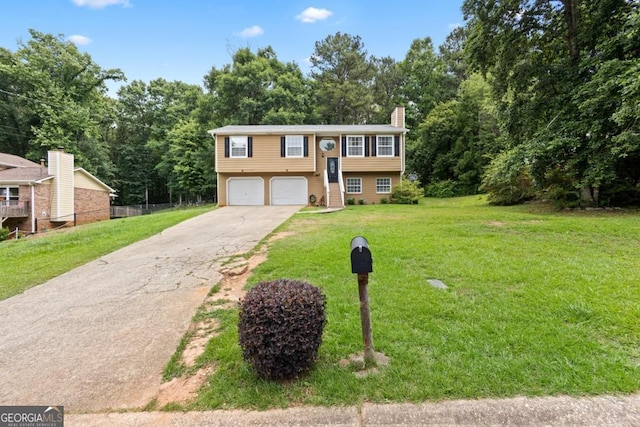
pixel 361 261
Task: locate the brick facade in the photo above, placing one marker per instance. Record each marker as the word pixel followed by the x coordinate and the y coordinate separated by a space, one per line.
pixel 68 195
pixel 91 205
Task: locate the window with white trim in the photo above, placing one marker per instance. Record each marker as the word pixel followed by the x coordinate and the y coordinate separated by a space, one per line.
pixel 354 185
pixel 355 146
pixel 294 145
pixel 384 146
pixel 383 185
pixel 9 196
pixel 238 145
pixel 9 193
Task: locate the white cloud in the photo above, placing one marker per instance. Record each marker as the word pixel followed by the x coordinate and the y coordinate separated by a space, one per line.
pixel 312 14
pixel 253 31
pixel 79 40
pixel 99 4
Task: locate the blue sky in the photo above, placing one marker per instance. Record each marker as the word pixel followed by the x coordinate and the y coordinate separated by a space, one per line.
pixel 184 39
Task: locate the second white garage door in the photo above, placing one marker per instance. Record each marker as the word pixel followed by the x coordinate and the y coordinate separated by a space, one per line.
pixel 289 191
pixel 245 191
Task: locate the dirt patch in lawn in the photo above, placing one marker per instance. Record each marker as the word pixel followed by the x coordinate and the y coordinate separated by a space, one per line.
pixel 231 289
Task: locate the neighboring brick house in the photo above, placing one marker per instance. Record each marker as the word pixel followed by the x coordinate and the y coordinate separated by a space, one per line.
pixel 309 164
pixel 34 197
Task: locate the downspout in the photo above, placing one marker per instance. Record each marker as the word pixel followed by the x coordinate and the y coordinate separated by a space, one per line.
pixel 403 153
pixel 315 153
pixel 215 164
pixel 33 207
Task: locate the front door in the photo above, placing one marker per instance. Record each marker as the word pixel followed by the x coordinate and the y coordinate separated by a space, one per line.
pixel 332 169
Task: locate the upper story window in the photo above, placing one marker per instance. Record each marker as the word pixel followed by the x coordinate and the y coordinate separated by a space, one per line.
pixel 239 146
pixel 294 145
pixel 355 146
pixel 384 146
pixel 327 144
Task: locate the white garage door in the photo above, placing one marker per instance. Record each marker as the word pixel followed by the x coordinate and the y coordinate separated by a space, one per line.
pixel 245 191
pixel 289 191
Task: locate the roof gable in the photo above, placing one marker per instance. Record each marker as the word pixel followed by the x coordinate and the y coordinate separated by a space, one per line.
pixel 93 179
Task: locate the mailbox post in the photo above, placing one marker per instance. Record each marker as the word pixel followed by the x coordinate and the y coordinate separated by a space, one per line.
pixel 362 265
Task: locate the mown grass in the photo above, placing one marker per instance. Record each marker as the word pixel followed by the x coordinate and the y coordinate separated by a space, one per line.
pixel 538 303
pixel 31 261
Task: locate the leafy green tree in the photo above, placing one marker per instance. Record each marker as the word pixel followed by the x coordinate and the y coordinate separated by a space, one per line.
pixel 455 141
pixel 560 72
pixel 147 113
pixel 136 178
pixel 344 77
pixel 387 81
pixel 259 89
pixel 452 54
pixel 426 81
pixel 508 178
pixel 191 160
pixel 54 96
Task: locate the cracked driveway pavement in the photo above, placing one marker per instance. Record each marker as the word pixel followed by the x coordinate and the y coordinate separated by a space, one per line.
pixel 98 337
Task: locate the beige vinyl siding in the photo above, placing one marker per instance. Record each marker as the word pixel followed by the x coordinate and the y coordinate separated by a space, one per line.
pixel 369 193
pixel 266 157
pixel 62 194
pixel 371 164
pixel 83 181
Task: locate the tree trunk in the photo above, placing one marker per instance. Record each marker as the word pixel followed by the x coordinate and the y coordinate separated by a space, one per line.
pixel 571 14
pixel 590 196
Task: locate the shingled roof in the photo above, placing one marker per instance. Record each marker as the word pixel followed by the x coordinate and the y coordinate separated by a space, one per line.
pixel 13 161
pixel 317 129
pixel 24 174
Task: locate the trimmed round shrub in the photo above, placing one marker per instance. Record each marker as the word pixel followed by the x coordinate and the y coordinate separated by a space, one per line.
pixel 280 327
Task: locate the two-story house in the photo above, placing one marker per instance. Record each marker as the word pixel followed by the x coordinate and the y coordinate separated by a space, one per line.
pixel 34 197
pixel 309 164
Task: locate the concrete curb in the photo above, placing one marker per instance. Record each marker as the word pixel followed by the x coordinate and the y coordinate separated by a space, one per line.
pixel 519 411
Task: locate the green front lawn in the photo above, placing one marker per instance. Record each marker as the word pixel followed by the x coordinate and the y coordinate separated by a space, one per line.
pixel 538 303
pixel 34 260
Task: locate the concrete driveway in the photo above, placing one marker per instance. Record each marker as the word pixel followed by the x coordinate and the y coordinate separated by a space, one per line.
pixel 99 336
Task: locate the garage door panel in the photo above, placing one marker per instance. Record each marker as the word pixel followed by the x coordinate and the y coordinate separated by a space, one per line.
pixel 245 191
pixel 289 191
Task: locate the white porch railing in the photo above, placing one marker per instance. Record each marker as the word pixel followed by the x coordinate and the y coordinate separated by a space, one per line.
pixel 341 182
pixel 326 187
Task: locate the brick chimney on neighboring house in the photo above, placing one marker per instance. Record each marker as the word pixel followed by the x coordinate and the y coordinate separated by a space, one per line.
pixel 397 117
